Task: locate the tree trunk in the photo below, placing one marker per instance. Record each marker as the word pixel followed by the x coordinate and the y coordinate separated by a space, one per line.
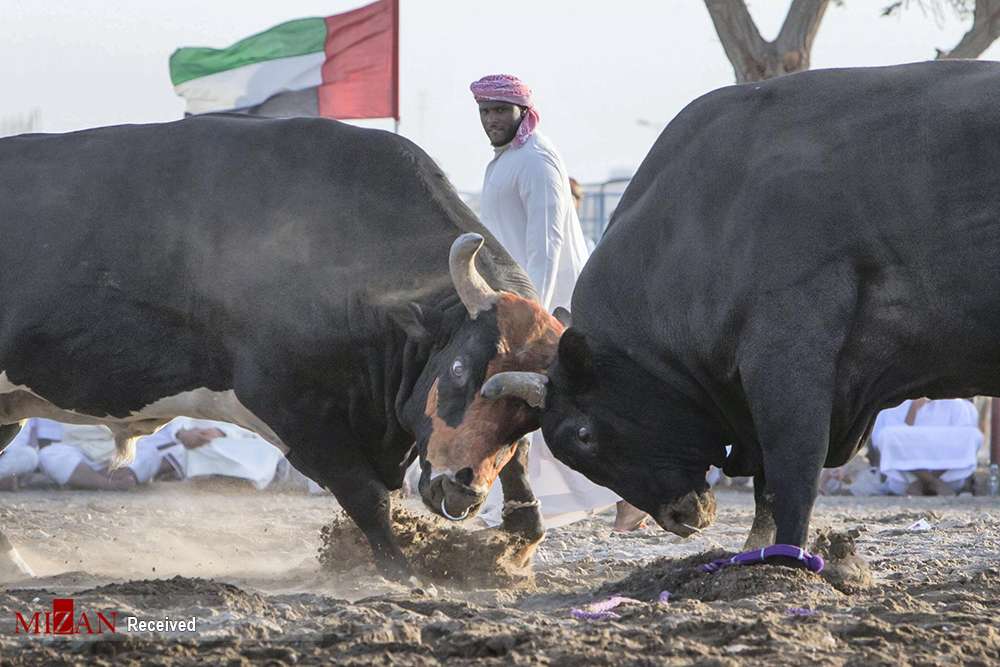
pixel 985 30
pixel 755 59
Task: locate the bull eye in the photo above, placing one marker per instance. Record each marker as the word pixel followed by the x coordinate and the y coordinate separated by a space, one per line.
pixel 458 369
pixel 584 435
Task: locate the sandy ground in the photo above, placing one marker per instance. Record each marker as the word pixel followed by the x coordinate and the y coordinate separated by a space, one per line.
pixel 245 566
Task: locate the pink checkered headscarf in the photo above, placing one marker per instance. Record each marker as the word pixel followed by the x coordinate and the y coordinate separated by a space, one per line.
pixel 508 88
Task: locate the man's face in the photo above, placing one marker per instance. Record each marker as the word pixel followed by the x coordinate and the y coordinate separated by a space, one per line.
pixel 500 120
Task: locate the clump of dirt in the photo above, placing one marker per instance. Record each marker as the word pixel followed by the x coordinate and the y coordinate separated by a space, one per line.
pixel 844 569
pixel 684 579
pixel 435 550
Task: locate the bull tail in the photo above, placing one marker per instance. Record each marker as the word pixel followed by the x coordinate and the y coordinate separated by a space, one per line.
pixel 124 449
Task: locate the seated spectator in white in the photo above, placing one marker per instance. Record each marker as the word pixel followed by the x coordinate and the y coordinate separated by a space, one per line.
pixel 20 458
pixel 928 447
pixel 79 456
pixel 202 448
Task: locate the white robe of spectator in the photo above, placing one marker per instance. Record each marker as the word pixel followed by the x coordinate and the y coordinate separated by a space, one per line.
pixel 73 444
pixel 20 457
pixel 944 436
pixel 241 453
pixel 527 205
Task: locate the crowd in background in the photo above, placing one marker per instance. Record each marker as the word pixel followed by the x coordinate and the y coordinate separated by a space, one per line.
pixel 50 454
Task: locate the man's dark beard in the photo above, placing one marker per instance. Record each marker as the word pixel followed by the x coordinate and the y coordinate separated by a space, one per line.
pixel 509 137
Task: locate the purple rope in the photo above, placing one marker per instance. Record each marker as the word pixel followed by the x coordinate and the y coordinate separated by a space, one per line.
pixel 814 563
pixel 599 611
pixel 801 611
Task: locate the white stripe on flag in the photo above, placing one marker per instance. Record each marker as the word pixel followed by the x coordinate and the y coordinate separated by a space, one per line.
pixel 252 84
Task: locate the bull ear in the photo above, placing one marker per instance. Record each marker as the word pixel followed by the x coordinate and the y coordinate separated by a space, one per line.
pixel 564 316
pixel 411 319
pixel 575 356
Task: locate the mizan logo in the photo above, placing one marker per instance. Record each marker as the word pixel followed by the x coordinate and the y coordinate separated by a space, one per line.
pixel 63 620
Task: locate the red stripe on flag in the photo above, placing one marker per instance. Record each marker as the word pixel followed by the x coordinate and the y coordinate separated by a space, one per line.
pixel 361 74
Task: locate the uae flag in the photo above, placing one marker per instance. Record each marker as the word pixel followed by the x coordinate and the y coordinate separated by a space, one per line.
pixel 341 66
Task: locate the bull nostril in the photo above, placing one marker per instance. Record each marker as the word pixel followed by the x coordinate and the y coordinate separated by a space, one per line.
pixel 464 476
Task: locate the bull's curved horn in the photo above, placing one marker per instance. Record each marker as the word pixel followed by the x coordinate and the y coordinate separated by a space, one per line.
pixel 529 387
pixel 473 290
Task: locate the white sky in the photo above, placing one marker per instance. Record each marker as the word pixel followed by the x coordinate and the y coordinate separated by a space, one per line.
pixel 596 67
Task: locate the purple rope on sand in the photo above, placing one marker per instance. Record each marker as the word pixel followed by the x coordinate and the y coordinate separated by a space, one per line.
pixel 801 611
pixel 814 563
pixel 600 611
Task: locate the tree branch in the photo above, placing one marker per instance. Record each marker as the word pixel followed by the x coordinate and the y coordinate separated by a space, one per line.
pixel 985 30
pixel 738 33
pixel 801 25
pixel 755 59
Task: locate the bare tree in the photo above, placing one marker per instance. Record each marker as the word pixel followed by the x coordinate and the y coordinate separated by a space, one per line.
pixel 985 23
pixel 754 58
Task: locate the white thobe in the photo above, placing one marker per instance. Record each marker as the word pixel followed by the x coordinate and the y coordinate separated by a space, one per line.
pixel 239 453
pixel 944 436
pixel 527 205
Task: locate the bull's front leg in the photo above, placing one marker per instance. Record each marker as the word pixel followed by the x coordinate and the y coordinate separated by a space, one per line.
pixel 793 454
pixel 762 531
pixel 791 413
pixel 365 498
pixel 368 503
pixel 521 513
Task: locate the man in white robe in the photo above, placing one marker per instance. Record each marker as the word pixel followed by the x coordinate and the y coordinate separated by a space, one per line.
pixel 20 458
pixel 527 205
pixel 927 447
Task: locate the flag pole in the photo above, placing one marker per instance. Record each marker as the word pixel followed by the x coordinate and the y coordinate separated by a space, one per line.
pixel 395 63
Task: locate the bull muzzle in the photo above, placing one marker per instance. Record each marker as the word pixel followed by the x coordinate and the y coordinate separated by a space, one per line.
pixel 688 514
pixel 448 497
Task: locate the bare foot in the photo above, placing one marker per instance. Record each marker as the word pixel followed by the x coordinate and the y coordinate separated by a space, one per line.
pixel 628 517
pixel 932 484
pixel 122 479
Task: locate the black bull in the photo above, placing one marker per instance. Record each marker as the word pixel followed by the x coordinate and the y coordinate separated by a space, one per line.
pixel 301 278
pixel 790 258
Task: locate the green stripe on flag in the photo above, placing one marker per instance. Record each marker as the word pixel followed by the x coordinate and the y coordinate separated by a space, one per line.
pixel 294 38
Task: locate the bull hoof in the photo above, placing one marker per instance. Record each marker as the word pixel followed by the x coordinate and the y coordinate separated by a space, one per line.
pixel 525 523
pixel 12 566
pixel 785 561
pixel 395 570
pixel 758 540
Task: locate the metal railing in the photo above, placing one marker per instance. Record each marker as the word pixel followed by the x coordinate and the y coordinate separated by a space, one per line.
pixel 598 203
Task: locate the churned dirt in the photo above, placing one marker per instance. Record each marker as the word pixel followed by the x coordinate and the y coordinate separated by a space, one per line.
pixel 437 552
pixel 278 579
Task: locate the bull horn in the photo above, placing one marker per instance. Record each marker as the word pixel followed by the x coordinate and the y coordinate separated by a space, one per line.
pixel 529 387
pixel 473 290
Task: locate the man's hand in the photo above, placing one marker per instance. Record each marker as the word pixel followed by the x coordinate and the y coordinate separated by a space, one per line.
pixel 915 406
pixel 196 437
